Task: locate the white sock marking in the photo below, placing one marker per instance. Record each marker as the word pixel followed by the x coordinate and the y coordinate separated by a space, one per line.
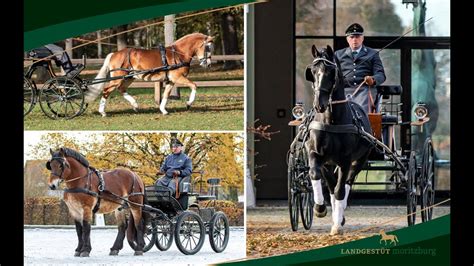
pixel 318 192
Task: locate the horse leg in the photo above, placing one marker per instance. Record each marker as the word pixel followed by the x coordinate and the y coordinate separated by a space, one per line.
pixel 183 80
pixel 123 90
pixel 139 228
pixel 166 93
pixel 122 227
pixel 319 207
pixel 79 237
pixel 86 232
pixel 338 198
pixel 105 95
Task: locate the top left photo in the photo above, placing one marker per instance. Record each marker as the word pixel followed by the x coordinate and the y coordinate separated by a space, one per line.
pixel 178 72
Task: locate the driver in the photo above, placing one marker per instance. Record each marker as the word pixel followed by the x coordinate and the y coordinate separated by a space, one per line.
pixel 360 63
pixel 176 166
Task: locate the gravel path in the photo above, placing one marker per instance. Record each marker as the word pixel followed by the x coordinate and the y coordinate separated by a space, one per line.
pixel 56 246
pixel 269 230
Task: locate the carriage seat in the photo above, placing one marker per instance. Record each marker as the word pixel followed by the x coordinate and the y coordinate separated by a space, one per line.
pixel 164 193
pixel 213 184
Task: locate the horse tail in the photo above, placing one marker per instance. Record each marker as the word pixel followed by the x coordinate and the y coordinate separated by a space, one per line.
pixel 94 90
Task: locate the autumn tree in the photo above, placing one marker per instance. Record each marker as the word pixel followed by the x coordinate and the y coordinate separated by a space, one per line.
pixel 218 155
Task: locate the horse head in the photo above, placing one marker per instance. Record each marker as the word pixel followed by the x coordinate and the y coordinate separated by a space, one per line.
pixel 59 167
pixel 205 50
pixel 199 45
pixel 323 74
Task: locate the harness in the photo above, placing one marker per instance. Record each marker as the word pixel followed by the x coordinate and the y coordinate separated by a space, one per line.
pixel 355 127
pixel 88 187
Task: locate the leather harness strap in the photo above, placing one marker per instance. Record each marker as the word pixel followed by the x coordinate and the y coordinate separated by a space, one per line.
pixel 176 180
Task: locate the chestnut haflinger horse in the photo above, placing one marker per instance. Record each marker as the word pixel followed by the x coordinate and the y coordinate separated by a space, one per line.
pixel 152 65
pixel 89 191
pixel 335 139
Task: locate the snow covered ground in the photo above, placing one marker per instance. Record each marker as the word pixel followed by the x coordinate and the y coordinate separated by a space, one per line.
pixel 44 246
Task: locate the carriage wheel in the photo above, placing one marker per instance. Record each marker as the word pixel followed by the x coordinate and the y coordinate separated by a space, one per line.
pixel 164 235
pixel 29 96
pixel 411 189
pixel 62 98
pixel 189 233
pixel 306 198
pixel 293 197
pixel 427 182
pixel 149 236
pixel 219 232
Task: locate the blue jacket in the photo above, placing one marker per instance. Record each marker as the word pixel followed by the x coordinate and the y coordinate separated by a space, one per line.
pixel 179 162
pixel 354 70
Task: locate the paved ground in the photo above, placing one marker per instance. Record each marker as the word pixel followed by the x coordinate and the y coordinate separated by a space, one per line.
pixel 56 246
pixel 269 230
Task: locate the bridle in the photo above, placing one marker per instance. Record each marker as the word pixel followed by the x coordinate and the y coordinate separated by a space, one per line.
pixel 208 49
pixel 63 163
pixel 330 91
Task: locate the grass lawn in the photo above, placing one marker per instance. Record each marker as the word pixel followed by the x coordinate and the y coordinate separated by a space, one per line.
pixel 214 109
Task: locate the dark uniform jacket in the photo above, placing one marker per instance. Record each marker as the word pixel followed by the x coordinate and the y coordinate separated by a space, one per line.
pixel 179 162
pixel 354 70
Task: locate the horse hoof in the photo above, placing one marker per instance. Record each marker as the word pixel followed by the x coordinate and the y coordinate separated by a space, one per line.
pixel 84 254
pixel 188 106
pixel 103 114
pixel 336 230
pixel 343 221
pixel 320 210
pixel 138 253
pixel 77 253
pixel 114 252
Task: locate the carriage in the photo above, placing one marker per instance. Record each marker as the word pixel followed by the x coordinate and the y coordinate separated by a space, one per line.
pixel 181 218
pixel 66 96
pixel 61 97
pixel 410 171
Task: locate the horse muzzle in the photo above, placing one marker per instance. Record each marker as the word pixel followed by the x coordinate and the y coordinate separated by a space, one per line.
pixel 205 62
pixel 54 184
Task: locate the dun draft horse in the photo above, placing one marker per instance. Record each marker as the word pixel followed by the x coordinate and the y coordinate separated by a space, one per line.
pixel 88 191
pixel 177 62
pixel 335 139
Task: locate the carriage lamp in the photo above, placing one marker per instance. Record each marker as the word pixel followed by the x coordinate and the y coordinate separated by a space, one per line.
pixel 298 111
pixel 420 111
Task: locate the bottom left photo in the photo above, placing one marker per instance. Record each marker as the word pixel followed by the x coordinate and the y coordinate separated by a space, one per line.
pixel 102 197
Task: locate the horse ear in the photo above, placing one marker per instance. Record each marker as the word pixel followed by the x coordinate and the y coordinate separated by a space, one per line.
pixel 330 51
pixel 314 51
pixel 210 38
pixel 51 151
pixel 62 152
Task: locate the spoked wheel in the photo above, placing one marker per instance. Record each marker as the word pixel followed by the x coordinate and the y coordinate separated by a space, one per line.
pixel 219 232
pixel 164 235
pixel 29 96
pixel 189 233
pixel 306 199
pixel 149 236
pixel 62 98
pixel 411 189
pixel 293 196
pixel 427 182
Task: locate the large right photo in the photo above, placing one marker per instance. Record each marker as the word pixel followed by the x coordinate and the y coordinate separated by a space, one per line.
pixel 348 121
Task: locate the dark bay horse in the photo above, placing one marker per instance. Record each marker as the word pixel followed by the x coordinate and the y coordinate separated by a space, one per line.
pixel 129 60
pixel 88 191
pixel 334 136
